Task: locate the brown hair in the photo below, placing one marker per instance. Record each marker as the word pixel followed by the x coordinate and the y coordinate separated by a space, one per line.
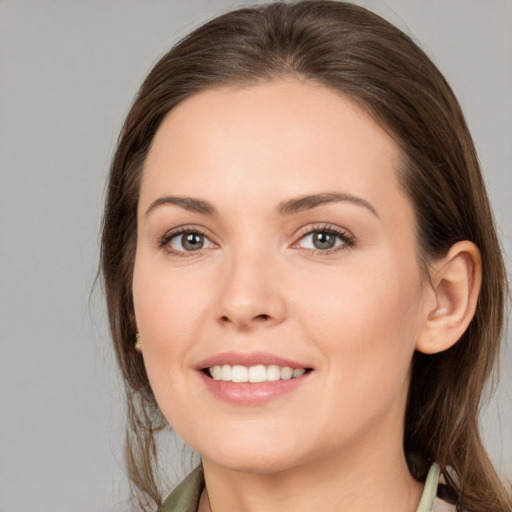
pixel 354 51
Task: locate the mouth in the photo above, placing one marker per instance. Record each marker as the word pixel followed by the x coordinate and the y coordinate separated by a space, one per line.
pixel 253 374
pixel 252 379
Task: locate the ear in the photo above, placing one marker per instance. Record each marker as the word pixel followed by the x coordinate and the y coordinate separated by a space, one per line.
pixel 455 283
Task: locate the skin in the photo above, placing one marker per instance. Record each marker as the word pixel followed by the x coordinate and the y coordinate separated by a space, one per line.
pixel 354 314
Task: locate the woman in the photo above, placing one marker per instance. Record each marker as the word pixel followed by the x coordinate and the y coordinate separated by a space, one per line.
pixel 298 241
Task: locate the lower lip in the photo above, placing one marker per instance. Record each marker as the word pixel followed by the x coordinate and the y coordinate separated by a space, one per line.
pixel 252 393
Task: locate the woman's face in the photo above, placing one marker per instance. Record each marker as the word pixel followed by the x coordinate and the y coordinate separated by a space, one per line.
pixel 275 240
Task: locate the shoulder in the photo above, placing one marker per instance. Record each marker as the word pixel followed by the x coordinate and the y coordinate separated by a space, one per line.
pixel 185 497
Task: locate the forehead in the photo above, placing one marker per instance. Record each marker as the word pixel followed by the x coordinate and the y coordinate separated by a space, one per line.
pixel 273 139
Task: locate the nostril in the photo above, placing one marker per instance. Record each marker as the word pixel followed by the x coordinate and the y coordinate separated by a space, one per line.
pixel 244 318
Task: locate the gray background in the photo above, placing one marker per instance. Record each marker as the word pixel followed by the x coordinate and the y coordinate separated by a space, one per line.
pixel 68 72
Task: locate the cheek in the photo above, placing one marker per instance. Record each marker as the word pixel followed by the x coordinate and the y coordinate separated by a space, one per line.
pixel 366 322
pixel 166 311
pixel 167 304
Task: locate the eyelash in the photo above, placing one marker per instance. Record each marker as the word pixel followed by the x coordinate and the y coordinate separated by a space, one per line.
pixel 347 239
pixel 164 242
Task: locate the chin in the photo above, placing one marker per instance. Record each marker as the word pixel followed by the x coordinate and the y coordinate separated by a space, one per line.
pixel 262 464
pixel 252 456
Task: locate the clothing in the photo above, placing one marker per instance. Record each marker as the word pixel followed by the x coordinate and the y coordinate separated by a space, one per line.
pixel 185 497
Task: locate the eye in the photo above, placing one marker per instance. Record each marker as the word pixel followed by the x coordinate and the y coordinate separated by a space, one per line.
pixel 186 241
pixel 321 240
pixel 325 239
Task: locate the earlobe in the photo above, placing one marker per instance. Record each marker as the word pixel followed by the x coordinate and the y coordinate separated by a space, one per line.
pixel 455 281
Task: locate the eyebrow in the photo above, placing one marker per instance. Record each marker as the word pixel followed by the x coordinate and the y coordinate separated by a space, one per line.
pixel 187 203
pixel 287 207
pixel 311 201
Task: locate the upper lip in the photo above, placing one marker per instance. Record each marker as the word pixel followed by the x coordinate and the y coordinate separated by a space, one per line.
pixel 249 359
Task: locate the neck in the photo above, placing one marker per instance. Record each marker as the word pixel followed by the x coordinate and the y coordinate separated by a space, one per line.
pixel 346 482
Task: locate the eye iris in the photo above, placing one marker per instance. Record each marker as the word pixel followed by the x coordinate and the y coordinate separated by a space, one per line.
pixel 192 241
pixel 323 240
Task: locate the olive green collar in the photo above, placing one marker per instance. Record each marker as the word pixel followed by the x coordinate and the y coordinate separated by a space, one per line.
pixel 185 497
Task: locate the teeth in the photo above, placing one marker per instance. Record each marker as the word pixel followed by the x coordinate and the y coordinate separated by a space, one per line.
pixel 239 373
pixel 258 373
pixel 226 372
pixel 273 372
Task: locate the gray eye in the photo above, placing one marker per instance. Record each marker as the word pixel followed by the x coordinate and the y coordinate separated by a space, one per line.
pixel 322 240
pixel 188 242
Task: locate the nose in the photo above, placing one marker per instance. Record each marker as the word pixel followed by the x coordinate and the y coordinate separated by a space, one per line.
pixel 250 294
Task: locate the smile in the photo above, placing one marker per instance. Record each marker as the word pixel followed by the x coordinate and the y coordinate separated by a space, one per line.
pixel 255 374
pixel 252 378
